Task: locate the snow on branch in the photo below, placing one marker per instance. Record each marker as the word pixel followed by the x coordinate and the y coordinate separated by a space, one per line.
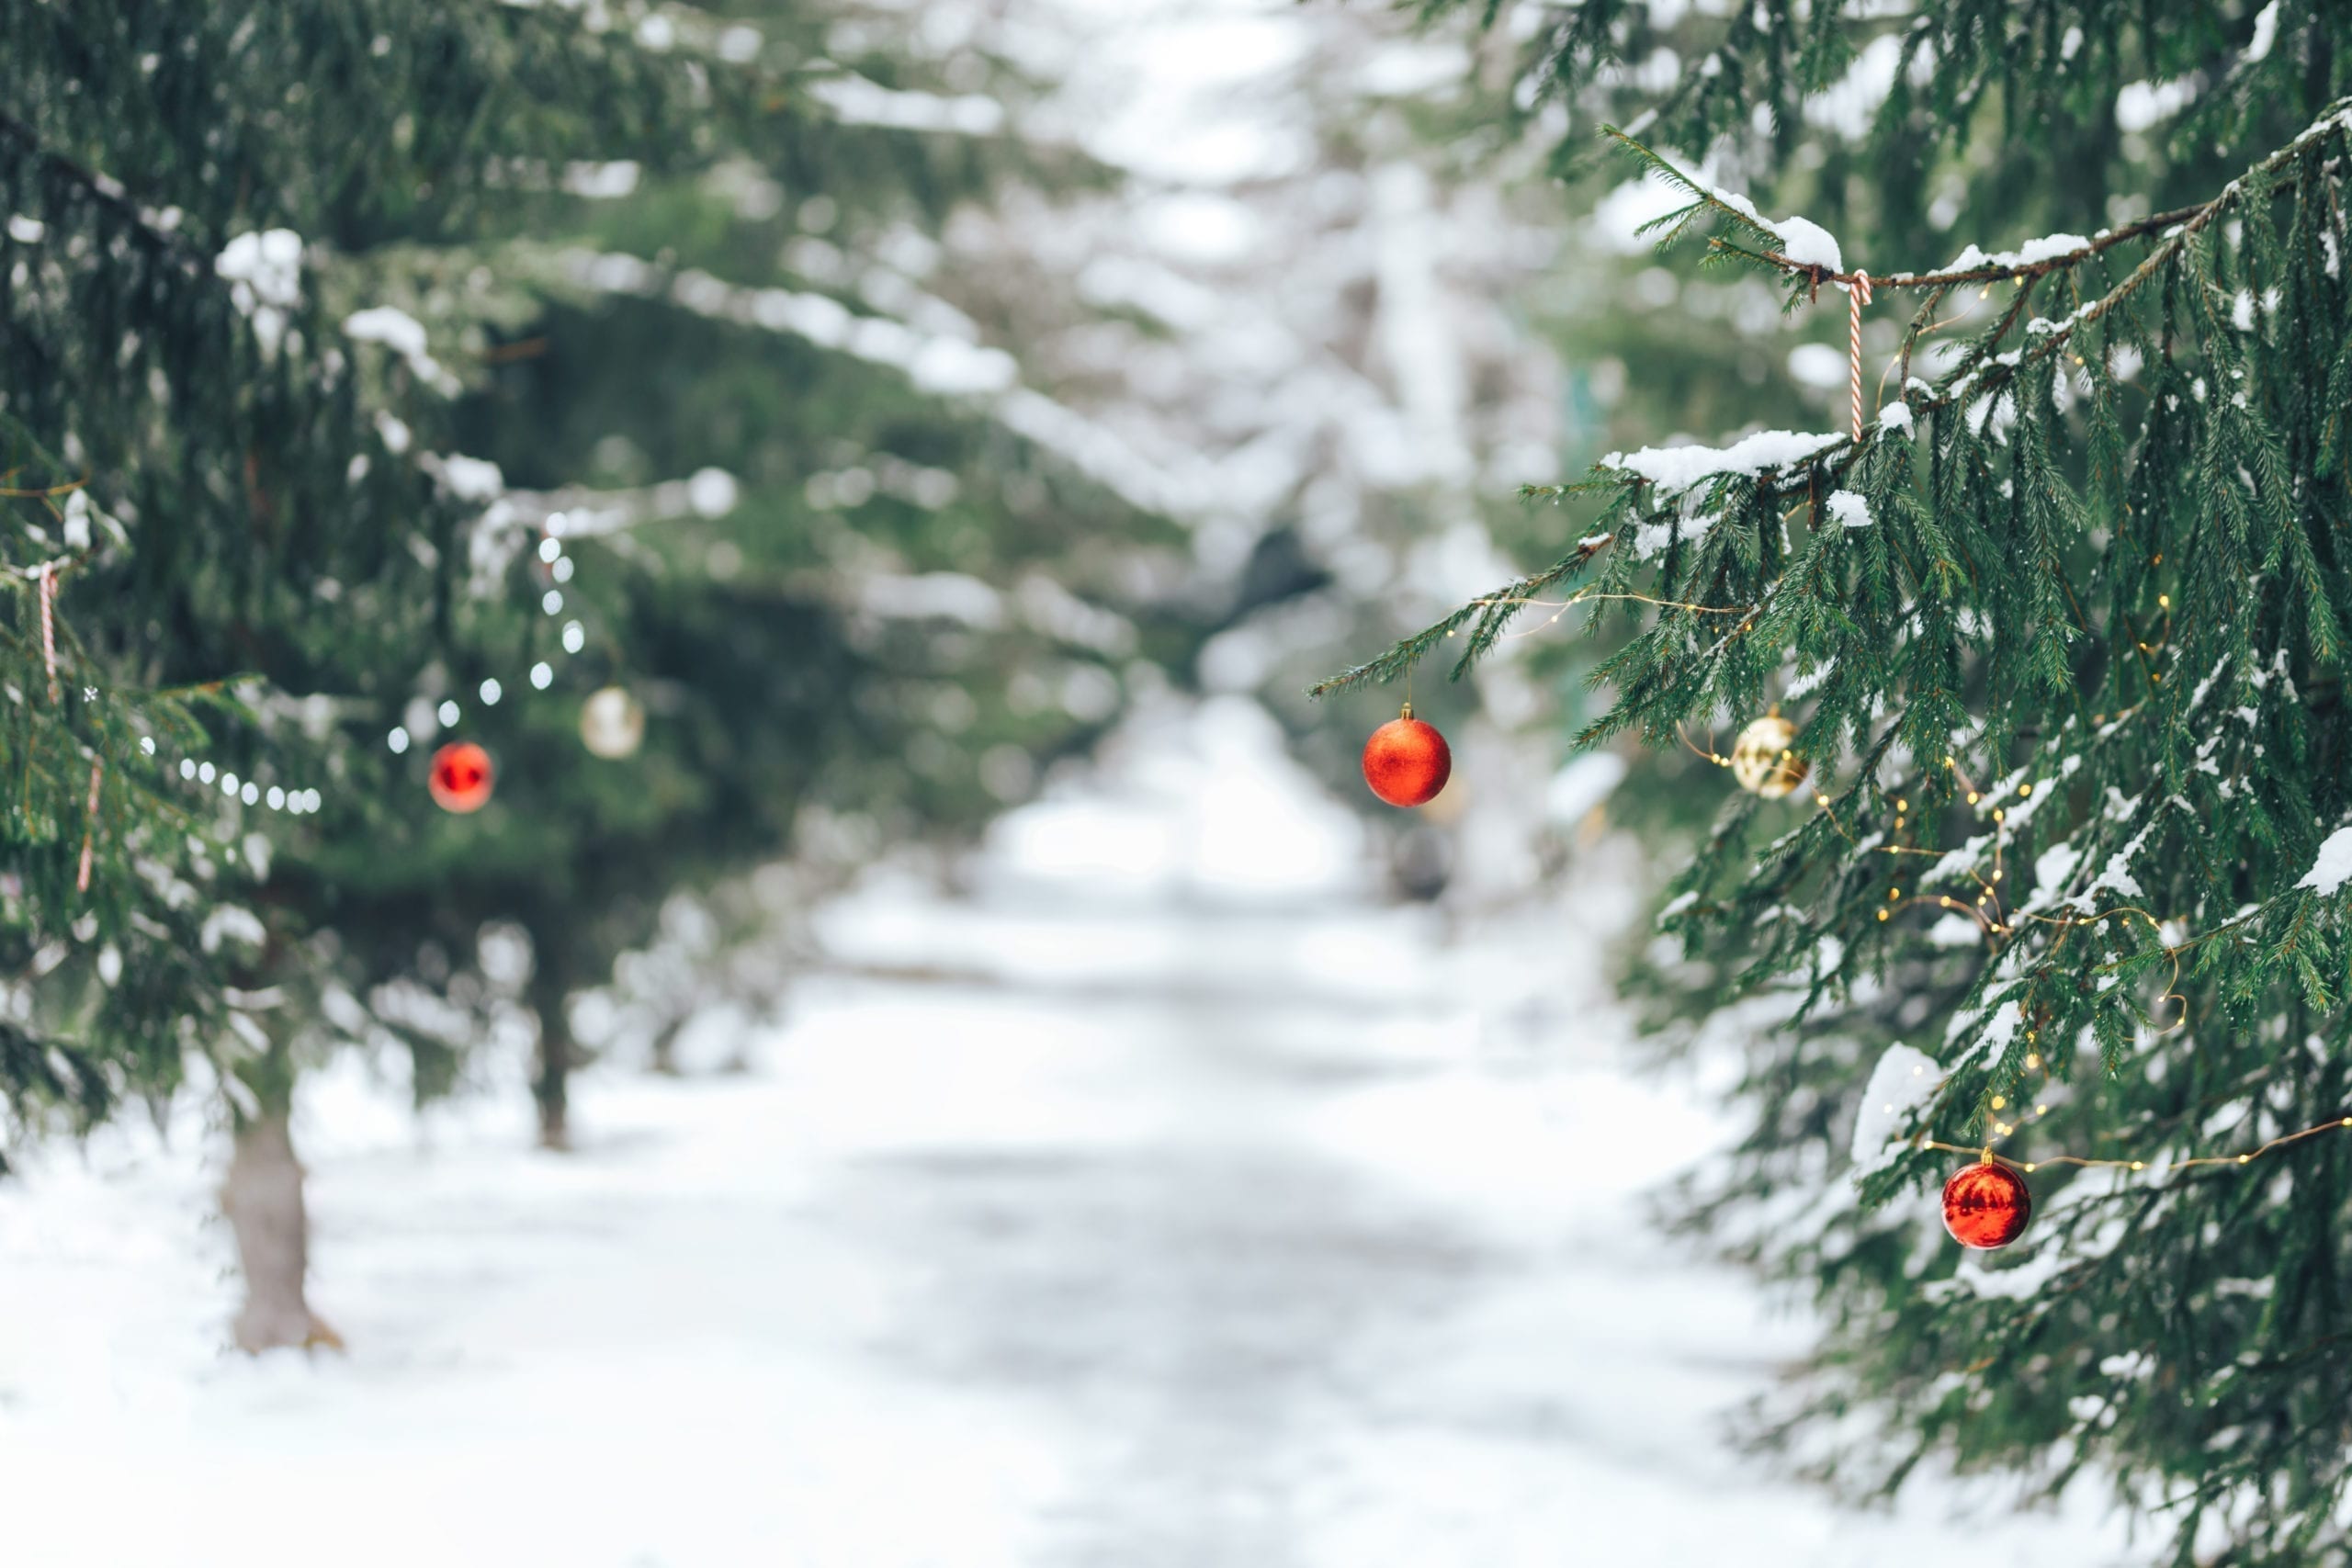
pixel 858 100
pixel 2333 866
pixel 1676 470
pixel 933 363
pixel 1803 242
pixel 1803 248
pixel 405 336
pixel 1984 376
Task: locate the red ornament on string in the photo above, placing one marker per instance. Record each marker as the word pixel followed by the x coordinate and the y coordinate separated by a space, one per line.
pixel 1406 762
pixel 461 777
pixel 1986 1205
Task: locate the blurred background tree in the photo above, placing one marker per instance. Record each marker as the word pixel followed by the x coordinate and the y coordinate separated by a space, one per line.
pixel 664 271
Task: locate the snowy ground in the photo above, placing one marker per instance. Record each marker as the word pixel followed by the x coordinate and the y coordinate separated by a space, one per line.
pixel 1166 1201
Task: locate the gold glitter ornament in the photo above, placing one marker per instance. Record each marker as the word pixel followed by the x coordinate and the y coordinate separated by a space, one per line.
pixel 612 722
pixel 1762 759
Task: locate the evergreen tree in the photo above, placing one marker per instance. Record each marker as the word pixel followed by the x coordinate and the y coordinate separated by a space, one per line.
pixel 2060 631
pixel 284 318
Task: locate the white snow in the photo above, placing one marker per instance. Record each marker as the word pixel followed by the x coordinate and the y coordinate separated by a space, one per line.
pixel 1895 416
pixel 392 431
pixel 2052 870
pixel 1677 469
pixel 1998 1032
pixel 1818 366
pixel 1652 539
pixel 1849 509
pixel 390 326
pixel 1115 1201
pixel 940 363
pixel 1166 1194
pixel 1848 105
pixel 2266 33
pixel 930 595
pixel 2050 247
pixel 2332 867
pixel 267 268
pixel 2116 876
pixel 1809 245
pixel 2139 106
pixel 607 181
pixel 76 522
pixel 1905 1079
pixel 470 478
pixel 405 336
pixel 858 100
pixel 1805 685
pixel 264 271
pixel 231 922
pixel 1582 784
pixel 1616 219
pixel 712 493
pixel 1801 239
pixel 1955 930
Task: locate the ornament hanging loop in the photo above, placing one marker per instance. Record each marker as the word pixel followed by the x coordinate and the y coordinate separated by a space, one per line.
pixel 46 574
pixel 90 826
pixel 1857 296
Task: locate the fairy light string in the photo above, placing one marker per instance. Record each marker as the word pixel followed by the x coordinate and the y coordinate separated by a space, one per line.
pixel 1995 921
pixel 447 714
pixel 303 800
pixel 1989 1154
pixel 1560 607
pixel 44 580
pixel 573 637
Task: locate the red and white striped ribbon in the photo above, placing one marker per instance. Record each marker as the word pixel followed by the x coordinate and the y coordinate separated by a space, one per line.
pixel 90 826
pixel 47 587
pixel 1856 298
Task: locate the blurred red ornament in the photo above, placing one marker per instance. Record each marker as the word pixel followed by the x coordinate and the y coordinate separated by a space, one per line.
pixel 1405 761
pixel 461 777
pixel 1986 1205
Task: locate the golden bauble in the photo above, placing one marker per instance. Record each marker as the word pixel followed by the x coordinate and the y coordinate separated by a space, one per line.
pixel 612 722
pixel 1762 759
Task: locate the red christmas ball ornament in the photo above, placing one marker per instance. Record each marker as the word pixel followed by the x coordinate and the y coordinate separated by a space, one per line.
pixel 1406 762
pixel 461 777
pixel 1986 1205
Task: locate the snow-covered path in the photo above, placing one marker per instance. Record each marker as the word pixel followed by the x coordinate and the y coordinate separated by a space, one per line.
pixel 1165 1201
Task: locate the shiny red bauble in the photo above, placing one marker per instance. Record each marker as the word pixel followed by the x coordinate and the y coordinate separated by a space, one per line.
pixel 1986 1206
pixel 1405 761
pixel 461 777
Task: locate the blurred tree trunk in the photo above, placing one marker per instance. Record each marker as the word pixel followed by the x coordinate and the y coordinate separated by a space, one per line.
pixel 262 1197
pixel 551 1072
pixel 665 1046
